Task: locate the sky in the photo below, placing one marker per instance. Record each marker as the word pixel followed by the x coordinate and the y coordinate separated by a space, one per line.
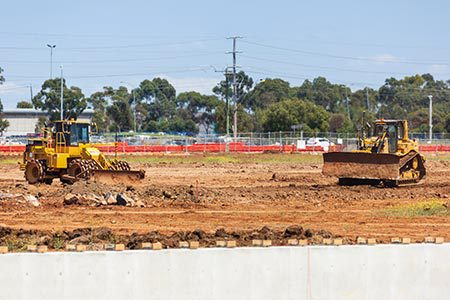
pixel 112 43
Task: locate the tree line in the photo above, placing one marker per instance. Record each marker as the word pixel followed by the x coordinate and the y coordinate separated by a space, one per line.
pixel 316 105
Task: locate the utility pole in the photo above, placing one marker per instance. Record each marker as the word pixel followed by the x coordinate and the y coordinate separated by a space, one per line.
pixel 62 95
pixel 431 117
pixel 51 59
pixel 234 38
pixel 31 93
pixel 226 73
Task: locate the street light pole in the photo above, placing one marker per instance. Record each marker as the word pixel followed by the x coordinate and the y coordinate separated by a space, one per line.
pixel 51 59
pixel 62 95
pixel 431 117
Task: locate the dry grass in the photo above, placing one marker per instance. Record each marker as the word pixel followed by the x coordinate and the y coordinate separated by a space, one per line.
pixel 426 208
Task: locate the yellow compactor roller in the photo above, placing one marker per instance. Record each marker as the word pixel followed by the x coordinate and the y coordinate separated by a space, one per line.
pixel 65 152
pixel 385 155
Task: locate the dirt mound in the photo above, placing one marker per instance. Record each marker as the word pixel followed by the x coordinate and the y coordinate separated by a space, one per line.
pixel 18 239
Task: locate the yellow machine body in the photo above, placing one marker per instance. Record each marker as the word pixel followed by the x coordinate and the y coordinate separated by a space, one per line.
pixel 65 152
pixel 387 155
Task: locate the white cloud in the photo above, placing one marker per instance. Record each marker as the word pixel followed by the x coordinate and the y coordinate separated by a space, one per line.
pixel 383 58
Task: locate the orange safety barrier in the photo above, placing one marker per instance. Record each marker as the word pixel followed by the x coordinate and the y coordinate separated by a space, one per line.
pixel 215 148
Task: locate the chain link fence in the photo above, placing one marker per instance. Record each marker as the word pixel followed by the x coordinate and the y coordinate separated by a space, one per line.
pixel 247 142
pixel 291 141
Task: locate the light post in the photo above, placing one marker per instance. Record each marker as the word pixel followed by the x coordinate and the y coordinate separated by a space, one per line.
pixel 431 117
pixel 62 95
pixel 134 103
pixel 51 59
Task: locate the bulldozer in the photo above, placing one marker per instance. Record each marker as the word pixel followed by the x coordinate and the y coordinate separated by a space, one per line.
pixel 64 151
pixel 385 156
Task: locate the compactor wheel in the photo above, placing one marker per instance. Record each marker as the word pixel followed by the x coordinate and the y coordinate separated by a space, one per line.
pixel 78 169
pixel 34 171
pixel 123 165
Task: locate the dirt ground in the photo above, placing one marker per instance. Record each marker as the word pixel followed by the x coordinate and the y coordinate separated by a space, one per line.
pixel 246 196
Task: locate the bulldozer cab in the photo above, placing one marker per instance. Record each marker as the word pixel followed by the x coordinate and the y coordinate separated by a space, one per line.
pixel 392 130
pixel 72 133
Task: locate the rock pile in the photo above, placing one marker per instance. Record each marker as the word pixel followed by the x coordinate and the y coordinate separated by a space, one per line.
pixel 91 199
pixel 27 198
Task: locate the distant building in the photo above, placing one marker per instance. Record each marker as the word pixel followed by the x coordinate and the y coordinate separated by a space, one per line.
pixel 24 120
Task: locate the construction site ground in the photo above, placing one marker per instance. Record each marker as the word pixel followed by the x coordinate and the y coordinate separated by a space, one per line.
pixel 212 196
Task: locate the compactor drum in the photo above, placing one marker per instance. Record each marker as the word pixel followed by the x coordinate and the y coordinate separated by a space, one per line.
pixel 387 156
pixel 65 152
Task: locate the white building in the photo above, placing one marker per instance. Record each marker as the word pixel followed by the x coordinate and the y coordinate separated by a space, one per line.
pixel 24 120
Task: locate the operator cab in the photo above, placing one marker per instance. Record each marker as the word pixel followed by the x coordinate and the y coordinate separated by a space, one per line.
pixel 74 132
pixel 394 130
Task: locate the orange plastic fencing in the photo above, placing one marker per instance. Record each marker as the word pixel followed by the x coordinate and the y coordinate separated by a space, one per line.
pixel 215 148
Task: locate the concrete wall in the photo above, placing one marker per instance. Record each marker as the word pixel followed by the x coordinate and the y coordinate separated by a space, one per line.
pixel 420 271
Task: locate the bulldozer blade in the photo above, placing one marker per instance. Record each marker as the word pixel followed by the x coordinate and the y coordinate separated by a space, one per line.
pixel 116 176
pixel 359 165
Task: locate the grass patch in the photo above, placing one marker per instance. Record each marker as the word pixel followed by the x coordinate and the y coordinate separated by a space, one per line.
pixel 437 156
pixel 420 209
pixel 10 160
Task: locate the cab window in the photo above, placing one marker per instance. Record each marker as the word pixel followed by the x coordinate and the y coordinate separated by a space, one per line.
pixel 79 134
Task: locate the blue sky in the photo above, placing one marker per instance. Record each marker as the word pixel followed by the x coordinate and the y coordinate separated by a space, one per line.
pixel 358 43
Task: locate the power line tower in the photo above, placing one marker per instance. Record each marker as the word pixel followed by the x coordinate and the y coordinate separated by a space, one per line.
pixel 234 52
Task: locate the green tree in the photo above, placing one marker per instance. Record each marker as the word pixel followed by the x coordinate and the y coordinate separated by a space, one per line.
pixel 408 98
pixel 363 100
pixel 330 96
pixel 340 123
pixel 245 123
pixel 156 100
pixel 224 90
pixel 49 99
pixel 118 112
pixel 41 123
pixel 2 79
pixel 282 115
pixel 244 84
pixel 3 123
pixel 99 103
pixel 447 123
pixel 198 108
pixel 266 93
pixel 24 104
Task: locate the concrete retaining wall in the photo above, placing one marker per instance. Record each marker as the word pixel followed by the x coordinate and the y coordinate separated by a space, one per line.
pixel 417 271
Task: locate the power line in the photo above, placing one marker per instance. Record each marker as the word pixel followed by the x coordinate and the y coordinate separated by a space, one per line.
pixel 109 35
pixel 118 75
pixel 114 46
pixel 322 67
pixel 345 43
pixel 343 57
pixel 112 60
pixel 297 76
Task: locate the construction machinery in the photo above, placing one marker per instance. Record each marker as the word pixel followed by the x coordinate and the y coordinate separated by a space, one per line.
pixel 64 151
pixel 385 156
